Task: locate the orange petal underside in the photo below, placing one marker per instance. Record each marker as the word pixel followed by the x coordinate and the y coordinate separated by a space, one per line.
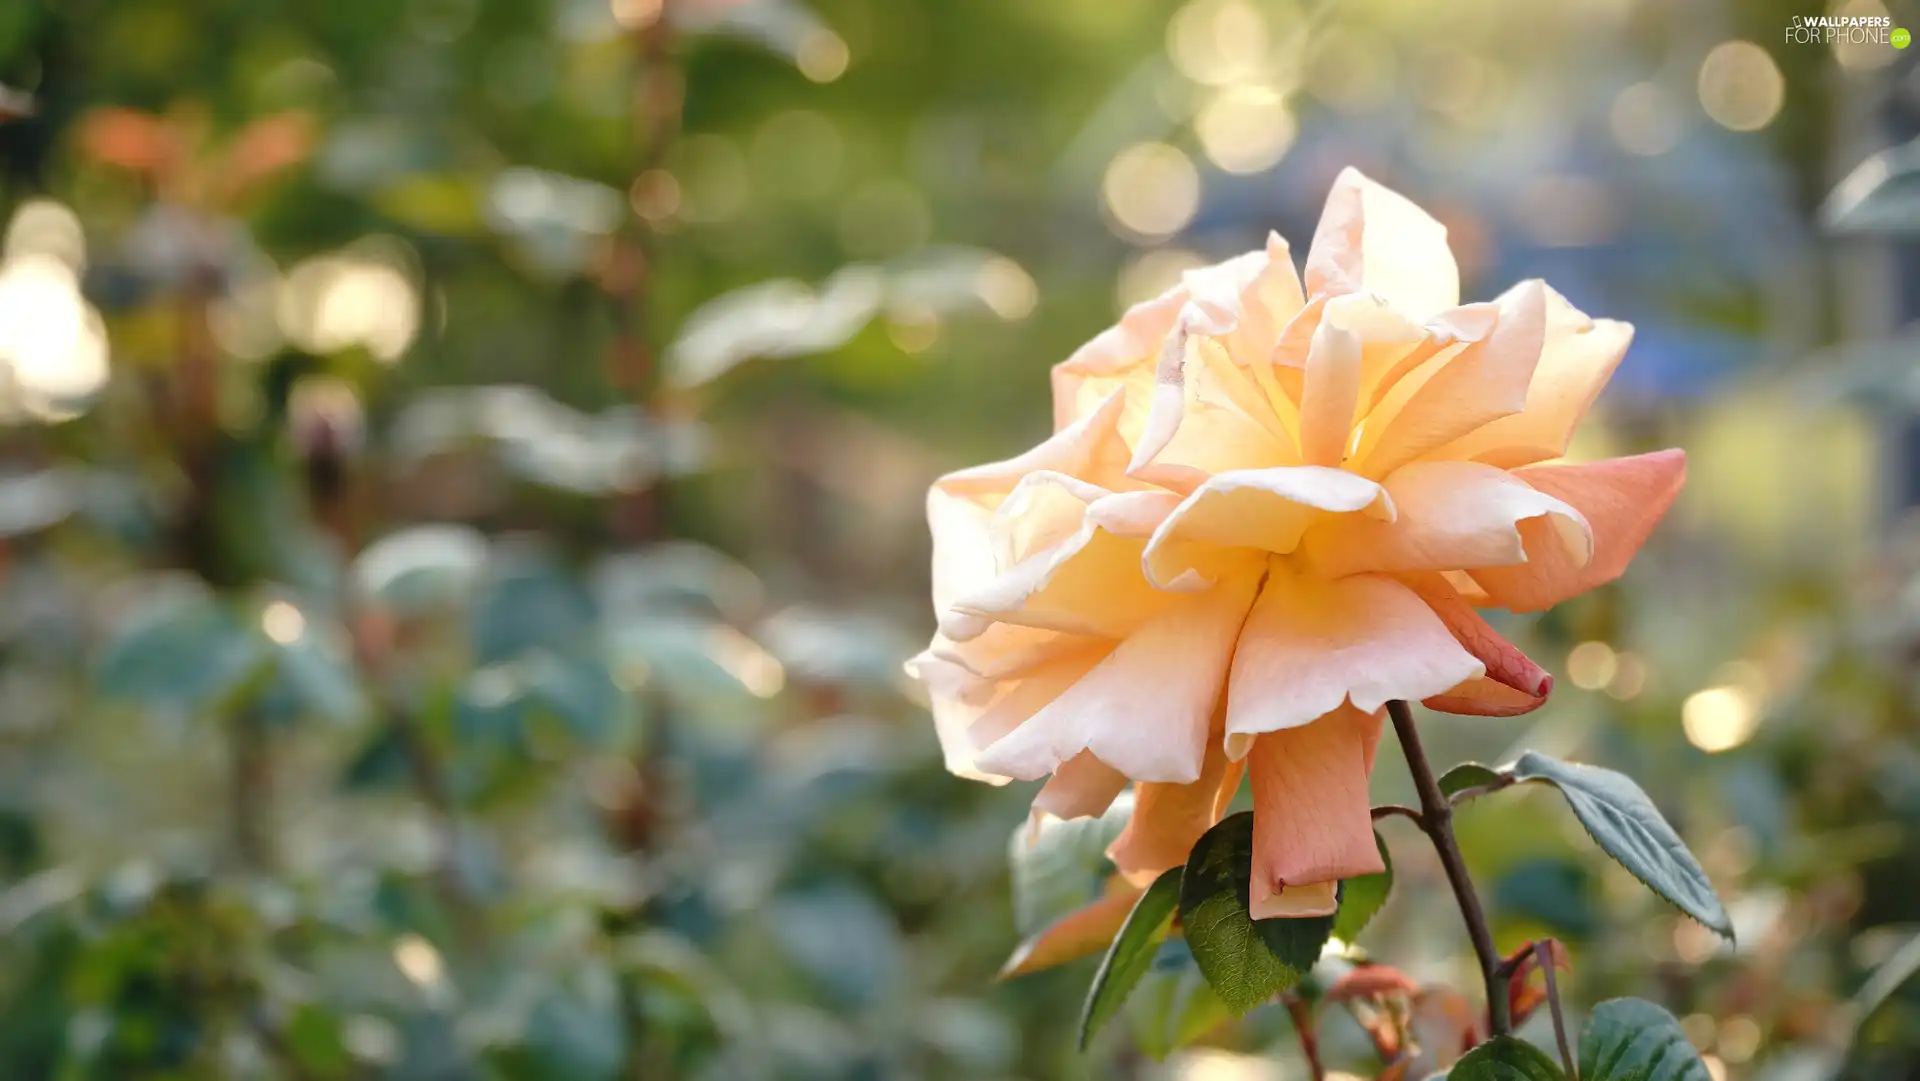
pixel 1622 499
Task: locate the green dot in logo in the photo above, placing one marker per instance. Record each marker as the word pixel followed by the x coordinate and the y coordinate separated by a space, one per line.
pixel 1901 38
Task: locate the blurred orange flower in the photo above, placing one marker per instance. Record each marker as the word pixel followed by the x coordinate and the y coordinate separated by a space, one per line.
pixel 174 151
pixel 1269 507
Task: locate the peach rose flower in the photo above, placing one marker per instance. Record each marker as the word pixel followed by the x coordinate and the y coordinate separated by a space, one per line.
pixel 1268 508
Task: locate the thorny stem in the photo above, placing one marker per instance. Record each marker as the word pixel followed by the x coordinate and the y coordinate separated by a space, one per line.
pixel 1302 1014
pixel 1544 954
pixel 1436 819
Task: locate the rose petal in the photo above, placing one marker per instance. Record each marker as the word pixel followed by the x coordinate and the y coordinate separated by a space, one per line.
pixel 1120 358
pixel 1577 358
pixel 1077 934
pixel 1311 645
pixel 1169 818
pixel 1374 239
pixel 1312 822
pixel 1460 389
pixel 1262 509
pixel 1622 499
pixel 1082 787
pixel 1144 709
pixel 1088 584
pixel 1092 448
pixel 1329 395
pixel 1447 516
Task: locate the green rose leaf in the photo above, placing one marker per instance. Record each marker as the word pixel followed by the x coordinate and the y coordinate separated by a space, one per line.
pixel 1626 824
pixel 1362 897
pixel 1505 1058
pixel 1631 1039
pixel 1247 961
pixel 1131 954
pixel 1173 1006
pixel 1468 775
pixel 1063 867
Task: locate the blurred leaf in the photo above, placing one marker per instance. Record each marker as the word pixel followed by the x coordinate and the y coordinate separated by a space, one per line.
pixel 1630 1039
pixel 1506 1058
pixel 1247 961
pixel 836 647
pixel 580 1033
pixel 528 603
pixel 317 1041
pixel 1361 898
pixel 1880 197
pixel 1131 954
pixel 786 318
pixel 1174 1006
pixel 1628 827
pixel 555 219
pixel 543 441
pixel 840 936
pixel 784 27
pixel 1061 865
pixel 422 568
pixel 1557 892
pixel 312 679
pixel 1467 775
pixel 178 650
pixel 31 502
pixel 677 576
pixel 382 762
pixel 1881 986
pixel 447 205
pixel 773 319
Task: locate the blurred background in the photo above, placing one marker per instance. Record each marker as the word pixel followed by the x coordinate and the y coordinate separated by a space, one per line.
pixel 461 467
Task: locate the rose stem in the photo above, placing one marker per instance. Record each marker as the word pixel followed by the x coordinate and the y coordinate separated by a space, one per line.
pixel 1302 1015
pixel 1544 954
pixel 1436 818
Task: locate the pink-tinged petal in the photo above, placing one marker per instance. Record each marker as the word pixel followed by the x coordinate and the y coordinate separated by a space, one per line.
pixel 1132 514
pixel 1089 583
pixel 955 703
pixel 1200 423
pixel 1577 359
pixel 1222 382
pixel 1329 395
pixel 1082 787
pixel 963 558
pixel 1041 512
pixel 1505 663
pixel 1484 697
pixel 1082 932
pixel 1144 709
pixel 1090 449
pixel 1262 509
pixel 1311 645
pixel 1007 651
pixel 1015 702
pixel 1255 293
pixel 1622 499
pixel 1391 344
pixel 1120 358
pixel 1169 818
pixel 1461 388
pixel 1374 239
pixel 1448 516
pixel 1312 821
